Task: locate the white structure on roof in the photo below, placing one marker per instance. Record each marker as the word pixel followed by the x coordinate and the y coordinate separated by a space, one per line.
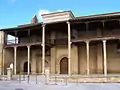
pixel 58 16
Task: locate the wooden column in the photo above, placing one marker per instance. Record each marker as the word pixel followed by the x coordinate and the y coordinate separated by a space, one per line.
pixel 5 36
pixel 69 48
pixel 15 37
pixel 28 49
pixel 3 62
pixel 2 51
pixel 87 27
pixel 103 23
pixel 104 56
pixel 15 57
pixel 43 48
pixel 29 36
pixel 88 57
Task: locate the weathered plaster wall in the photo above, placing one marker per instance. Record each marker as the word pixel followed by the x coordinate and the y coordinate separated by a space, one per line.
pixel 59 52
pixel 113 58
pixel 78 58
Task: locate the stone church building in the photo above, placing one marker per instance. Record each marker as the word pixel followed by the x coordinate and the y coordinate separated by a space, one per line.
pixel 63 44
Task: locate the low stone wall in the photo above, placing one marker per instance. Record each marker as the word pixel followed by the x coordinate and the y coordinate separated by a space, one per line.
pixel 110 79
pixel 95 80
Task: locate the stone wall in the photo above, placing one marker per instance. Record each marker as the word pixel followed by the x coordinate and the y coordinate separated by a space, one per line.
pixel 78 58
pixel 79 62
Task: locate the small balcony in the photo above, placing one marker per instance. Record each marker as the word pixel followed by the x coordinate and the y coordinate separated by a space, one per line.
pixel 94 34
pixel 18 42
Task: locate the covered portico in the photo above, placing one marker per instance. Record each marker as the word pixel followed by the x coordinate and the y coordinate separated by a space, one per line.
pixel 28 43
pixel 97 38
pixel 83 43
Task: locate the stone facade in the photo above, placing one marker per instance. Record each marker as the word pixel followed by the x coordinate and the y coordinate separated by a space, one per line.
pixel 89 54
pixel 78 59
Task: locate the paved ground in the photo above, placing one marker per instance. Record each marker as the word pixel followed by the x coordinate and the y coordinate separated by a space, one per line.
pixel 24 85
pixel 82 86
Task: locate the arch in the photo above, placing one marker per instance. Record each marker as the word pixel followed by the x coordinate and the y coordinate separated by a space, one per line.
pixel 25 67
pixel 64 65
pixel 59 58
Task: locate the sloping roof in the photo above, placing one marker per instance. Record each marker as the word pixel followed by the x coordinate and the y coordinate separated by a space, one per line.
pixel 98 16
pixel 25 26
pixel 115 14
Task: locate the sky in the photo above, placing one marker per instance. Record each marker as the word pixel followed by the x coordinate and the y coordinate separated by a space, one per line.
pixel 17 12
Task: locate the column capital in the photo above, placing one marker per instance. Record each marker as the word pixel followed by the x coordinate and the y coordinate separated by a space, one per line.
pixel 15 47
pixel 104 41
pixel 42 44
pixel 87 22
pixel 103 21
pixel 68 22
pixel 70 42
pixel 87 41
pixel 43 25
pixel 28 46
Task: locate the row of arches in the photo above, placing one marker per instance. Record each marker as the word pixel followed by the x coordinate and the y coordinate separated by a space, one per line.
pixel 63 66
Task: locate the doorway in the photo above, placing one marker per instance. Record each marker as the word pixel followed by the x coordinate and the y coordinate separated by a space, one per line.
pixel 64 65
pixel 25 67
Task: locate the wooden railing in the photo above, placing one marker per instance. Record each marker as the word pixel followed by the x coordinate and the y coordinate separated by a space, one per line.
pixel 48 41
pixel 81 35
pixel 57 41
pixel 94 34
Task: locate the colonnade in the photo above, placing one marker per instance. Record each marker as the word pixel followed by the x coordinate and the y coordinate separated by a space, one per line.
pixel 69 53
